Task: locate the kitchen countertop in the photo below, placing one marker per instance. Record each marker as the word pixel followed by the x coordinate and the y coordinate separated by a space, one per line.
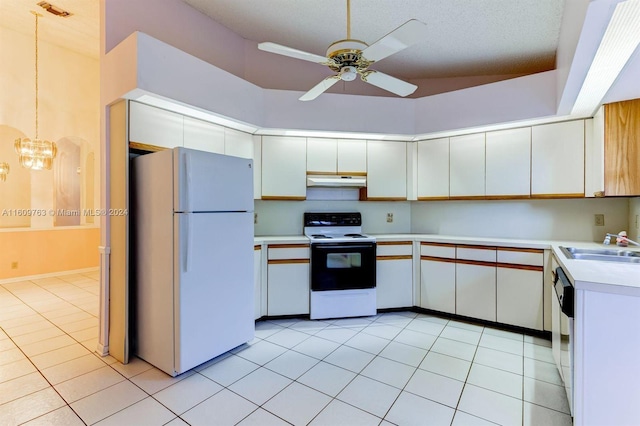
pixel 592 275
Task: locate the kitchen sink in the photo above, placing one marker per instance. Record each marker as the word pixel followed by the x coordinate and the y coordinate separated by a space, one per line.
pixel 606 255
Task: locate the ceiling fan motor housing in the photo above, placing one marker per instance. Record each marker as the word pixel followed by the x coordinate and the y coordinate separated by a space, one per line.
pixel 348 53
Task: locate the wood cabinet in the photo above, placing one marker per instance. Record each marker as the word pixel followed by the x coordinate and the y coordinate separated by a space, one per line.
pixel 433 169
pixel 438 277
pixel 622 148
pixel 386 170
pixel 394 274
pixel 467 166
pixel 284 171
pixel 154 127
pixel 557 160
pixel 288 279
pixel 508 163
pixel 203 136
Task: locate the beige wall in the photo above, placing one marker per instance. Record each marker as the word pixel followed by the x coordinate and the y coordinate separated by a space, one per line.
pixel 68 108
pixel 47 251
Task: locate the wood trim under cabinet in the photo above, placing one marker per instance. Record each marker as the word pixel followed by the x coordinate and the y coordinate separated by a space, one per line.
pixel 255 248
pixel 508 197
pixel 385 199
pixel 467 197
pixel 433 198
pixel 523 267
pixel 283 197
pixel 555 196
pixel 426 243
pixel 395 257
pixel 139 146
pixel 286 261
pixel 286 246
pixel 476 262
pixel 394 243
pixel 466 246
pixel 438 259
pixel 525 250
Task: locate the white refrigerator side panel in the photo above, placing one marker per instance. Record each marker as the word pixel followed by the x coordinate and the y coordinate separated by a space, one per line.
pixel 213 285
pixel 152 288
pixel 208 182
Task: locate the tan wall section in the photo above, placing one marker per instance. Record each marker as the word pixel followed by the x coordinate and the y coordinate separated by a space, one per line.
pixel 47 251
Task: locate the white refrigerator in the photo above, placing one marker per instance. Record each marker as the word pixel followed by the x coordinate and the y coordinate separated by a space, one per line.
pixel 193 257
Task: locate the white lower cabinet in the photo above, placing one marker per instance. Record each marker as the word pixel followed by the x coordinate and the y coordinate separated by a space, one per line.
pixel 519 297
pixel 394 274
pixel 438 285
pixel 476 291
pixel 394 283
pixel 288 279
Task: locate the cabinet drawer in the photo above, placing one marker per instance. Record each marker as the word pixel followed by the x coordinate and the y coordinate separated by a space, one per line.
pixel 288 251
pixel 395 248
pixel 528 257
pixel 480 253
pixel 438 250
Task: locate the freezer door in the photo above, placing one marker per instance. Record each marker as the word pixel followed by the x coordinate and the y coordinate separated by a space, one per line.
pixel 213 292
pixel 208 182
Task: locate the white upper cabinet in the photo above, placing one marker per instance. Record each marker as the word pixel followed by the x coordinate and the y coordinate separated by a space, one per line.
pixel 322 156
pixel 352 156
pixel 386 170
pixel 238 144
pixel 154 126
pixel 284 167
pixel 508 162
pixel 203 135
pixel 433 169
pixel 557 159
pixel 467 166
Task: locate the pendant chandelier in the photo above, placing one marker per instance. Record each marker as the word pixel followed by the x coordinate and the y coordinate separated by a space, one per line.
pixel 4 171
pixel 35 154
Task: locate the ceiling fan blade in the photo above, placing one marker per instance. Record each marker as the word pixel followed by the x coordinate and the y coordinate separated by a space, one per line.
pixel 390 84
pixel 320 88
pixel 407 34
pixel 293 53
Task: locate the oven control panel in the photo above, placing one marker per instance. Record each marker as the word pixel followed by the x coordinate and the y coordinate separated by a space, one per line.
pixel 333 219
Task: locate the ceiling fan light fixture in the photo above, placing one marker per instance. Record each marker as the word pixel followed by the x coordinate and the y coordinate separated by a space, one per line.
pixel 348 73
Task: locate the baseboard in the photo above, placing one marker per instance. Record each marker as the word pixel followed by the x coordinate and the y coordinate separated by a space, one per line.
pixel 48 275
pixel 102 350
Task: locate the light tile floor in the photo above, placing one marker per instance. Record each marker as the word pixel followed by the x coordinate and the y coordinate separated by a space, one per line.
pixel 395 368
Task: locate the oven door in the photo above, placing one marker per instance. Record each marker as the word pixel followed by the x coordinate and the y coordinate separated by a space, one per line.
pixel 343 266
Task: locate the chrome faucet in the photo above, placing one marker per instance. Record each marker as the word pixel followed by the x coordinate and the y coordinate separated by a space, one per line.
pixel 619 238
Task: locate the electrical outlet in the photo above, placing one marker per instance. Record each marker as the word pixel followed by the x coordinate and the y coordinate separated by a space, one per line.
pixel 255 218
pixel 389 217
pixel 599 220
pixel 14 265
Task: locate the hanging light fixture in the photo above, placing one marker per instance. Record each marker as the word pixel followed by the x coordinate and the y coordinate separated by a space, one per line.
pixel 4 171
pixel 36 154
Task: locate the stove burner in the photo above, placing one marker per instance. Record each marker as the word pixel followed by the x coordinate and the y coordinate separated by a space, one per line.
pixel 320 236
pixel 355 235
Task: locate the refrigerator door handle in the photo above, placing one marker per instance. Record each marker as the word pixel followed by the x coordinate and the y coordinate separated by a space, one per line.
pixel 186 243
pixel 187 182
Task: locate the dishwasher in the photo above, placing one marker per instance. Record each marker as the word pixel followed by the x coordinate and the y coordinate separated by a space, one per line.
pixel 562 311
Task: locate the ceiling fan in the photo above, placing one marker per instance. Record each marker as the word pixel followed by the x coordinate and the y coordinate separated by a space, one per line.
pixel 350 58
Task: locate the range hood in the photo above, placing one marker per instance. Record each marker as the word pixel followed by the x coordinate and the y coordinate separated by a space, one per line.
pixel 337 181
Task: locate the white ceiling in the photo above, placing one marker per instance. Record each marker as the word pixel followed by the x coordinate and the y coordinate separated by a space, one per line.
pixel 79 32
pixel 466 37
